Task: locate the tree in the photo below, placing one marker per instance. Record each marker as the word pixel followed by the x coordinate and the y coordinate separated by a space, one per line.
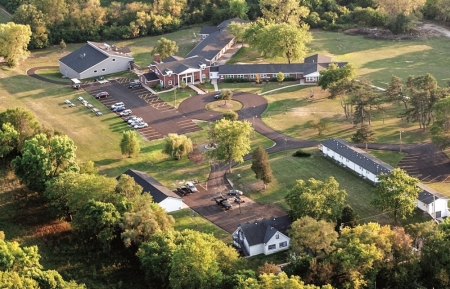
pixel 283 40
pixel 43 159
pixel 286 11
pixel 312 236
pixel 227 94
pixel 395 91
pixel 14 39
pixel 393 8
pixel 23 122
pixel 232 139
pixel 316 199
pixel 8 139
pixel 177 146
pixel 364 100
pixel 268 268
pixel 165 48
pixel 28 14
pixel 62 44
pixel 280 77
pixel 364 135
pixel 88 168
pixel 128 187
pixel 348 217
pixel 320 125
pixel 230 115
pixel 396 192
pixel 238 30
pixel 238 8
pixel 334 73
pixel 277 281
pixel 130 143
pixel 261 167
pixel 440 129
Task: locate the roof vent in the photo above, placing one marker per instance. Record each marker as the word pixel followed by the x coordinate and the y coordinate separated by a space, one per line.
pixel 83 55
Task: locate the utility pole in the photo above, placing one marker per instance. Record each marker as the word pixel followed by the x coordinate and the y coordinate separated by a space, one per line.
pixel 285 144
pixel 401 140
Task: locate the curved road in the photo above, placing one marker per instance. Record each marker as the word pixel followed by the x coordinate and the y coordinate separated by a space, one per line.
pixel 32 72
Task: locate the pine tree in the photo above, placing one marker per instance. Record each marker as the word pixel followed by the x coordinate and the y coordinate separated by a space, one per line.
pixel 261 167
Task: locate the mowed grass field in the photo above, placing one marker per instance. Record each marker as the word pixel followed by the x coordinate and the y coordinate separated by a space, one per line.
pixel 4 16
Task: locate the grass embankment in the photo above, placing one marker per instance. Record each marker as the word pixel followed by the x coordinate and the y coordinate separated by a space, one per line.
pixel 4 16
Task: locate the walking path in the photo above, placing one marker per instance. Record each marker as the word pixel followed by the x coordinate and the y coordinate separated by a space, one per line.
pixel 214 83
pixel 196 89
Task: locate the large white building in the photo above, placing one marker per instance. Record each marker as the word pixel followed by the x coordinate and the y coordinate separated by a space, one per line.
pixel 369 167
pixel 95 59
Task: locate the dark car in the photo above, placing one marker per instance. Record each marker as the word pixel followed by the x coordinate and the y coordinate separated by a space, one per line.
pixel 183 190
pixel 223 202
pixel 134 84
pixel 102 94
pixel 119 108
pixel 218 95
pixel 76 86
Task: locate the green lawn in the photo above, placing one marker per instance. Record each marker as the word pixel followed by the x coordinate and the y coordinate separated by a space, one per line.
pixel 4 17
pixel 390 157
pixel 189 219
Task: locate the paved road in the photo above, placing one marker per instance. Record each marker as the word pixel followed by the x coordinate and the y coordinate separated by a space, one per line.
pixel 32 72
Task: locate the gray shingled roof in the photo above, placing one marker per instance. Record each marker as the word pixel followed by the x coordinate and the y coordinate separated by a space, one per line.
pixel 83 58
pixel 172 58
pixel 150 185
pixel 225 23
pixel 428 195
pixel 358 156
pixel 181 65
pixel 208 29
pixel 317 58
pixel 211 45
pixel 150 76
pixel 262 231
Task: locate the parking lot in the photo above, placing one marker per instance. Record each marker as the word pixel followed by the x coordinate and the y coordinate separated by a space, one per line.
pixel 160 116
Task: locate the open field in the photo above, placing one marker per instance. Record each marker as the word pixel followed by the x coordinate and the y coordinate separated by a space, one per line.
pixel 4 17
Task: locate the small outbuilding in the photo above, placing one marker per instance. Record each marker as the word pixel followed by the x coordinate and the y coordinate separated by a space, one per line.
pixel 266 237
pixel 161 195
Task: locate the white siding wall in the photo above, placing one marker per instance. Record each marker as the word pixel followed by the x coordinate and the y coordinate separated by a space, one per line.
pixel 107 66
pixel 171 204
pixel 442 205
pixel 276 242
pixel 255 249
pixel 67 71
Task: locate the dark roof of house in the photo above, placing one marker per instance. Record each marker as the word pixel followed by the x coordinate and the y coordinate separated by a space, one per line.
pixel 150 185
pixel 208 29
pixel 428 195
pixel 172 58
pixel 317 58
pixel 305 68
pixel 358 156
pixel 83 58
pixel 214 68
pixel 112 49
pixel 181 65
pixel 211 45
pixel 225 23
pixel 150 76
pixel 262 231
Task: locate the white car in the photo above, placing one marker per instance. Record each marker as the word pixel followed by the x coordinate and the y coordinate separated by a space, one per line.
pixel 235 193
pixel 141 125
pixel 84 102
pixel 136 119
pixel 94 109
pixel 72 105
pixel 117 104
pixel 136 122
pixel 191 186
pixel 67 101
pixel 98 113
pixel 89 105
pixel 126 112
pixel 80 98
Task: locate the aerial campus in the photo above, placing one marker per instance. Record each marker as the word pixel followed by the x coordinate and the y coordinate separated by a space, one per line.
pixel 221 155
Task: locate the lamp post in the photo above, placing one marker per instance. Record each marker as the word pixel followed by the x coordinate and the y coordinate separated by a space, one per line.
pixel 175 97
pixel 401 140
pixel 285 144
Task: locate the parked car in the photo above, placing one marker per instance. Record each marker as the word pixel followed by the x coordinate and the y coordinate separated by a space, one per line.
pixel 183 190
pixel 119 108
pixel 191 186
pixel 136 122
pixel 80 98
pixel 102 94
pixel 223 202
pixel 129 117
pixel 218 95
pixel 135 119
pixel 98 113
pixel 94 109
pixel 89 105
pixel 117 104
pixel 84 102
pixel 141 125
pixel 126 112
pixel 235 193
pixel 67 101
pixel 72 105
pixel 134 84
pixel 238 200
pixel 76 86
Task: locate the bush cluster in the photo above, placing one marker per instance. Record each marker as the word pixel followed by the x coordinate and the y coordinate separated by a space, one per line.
pixel 301 154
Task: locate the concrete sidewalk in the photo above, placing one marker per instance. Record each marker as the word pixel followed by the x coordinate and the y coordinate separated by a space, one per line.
pixel 196 89
pixel 214 83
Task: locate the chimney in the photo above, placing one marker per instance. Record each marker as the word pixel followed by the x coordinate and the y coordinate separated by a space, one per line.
pixel 157 58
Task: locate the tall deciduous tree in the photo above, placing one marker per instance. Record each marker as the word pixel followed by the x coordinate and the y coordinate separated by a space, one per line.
pixel 177 146
pixel 14 39
pixel 316 199
pixel 238 30
pixel 396 192
pixel 8 139
pixel 43 159
pixel 232 139
pixel 334 74
pixel 440 130
pixel 130 143
pixel 23 122
pixel 227 94
pixel 261 167
pixel 393 8
pixel 312 236
pixel 238 8
pixel 285 11
pixel 364 135
pixel 230 115
pixel 165 48
pixel 128 187
pixel 277 281
pixel 28 14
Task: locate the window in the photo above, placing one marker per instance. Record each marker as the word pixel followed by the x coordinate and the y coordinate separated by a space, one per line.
pixel 311 79
pixel 114 59
pixel 277 236
pixel 240 76
pixel 283 244
pixel 263 75
pixel 103 69
pixel 252 76
pixel 286 75
pixel 272 247
pixel 95 71
pixel 170 82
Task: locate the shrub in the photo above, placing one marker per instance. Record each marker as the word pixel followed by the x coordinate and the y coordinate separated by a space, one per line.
pixel 157 86
pixel 301 154
pixel 235 80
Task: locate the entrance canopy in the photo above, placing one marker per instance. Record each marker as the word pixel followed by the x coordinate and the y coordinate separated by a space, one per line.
pixel 75 81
